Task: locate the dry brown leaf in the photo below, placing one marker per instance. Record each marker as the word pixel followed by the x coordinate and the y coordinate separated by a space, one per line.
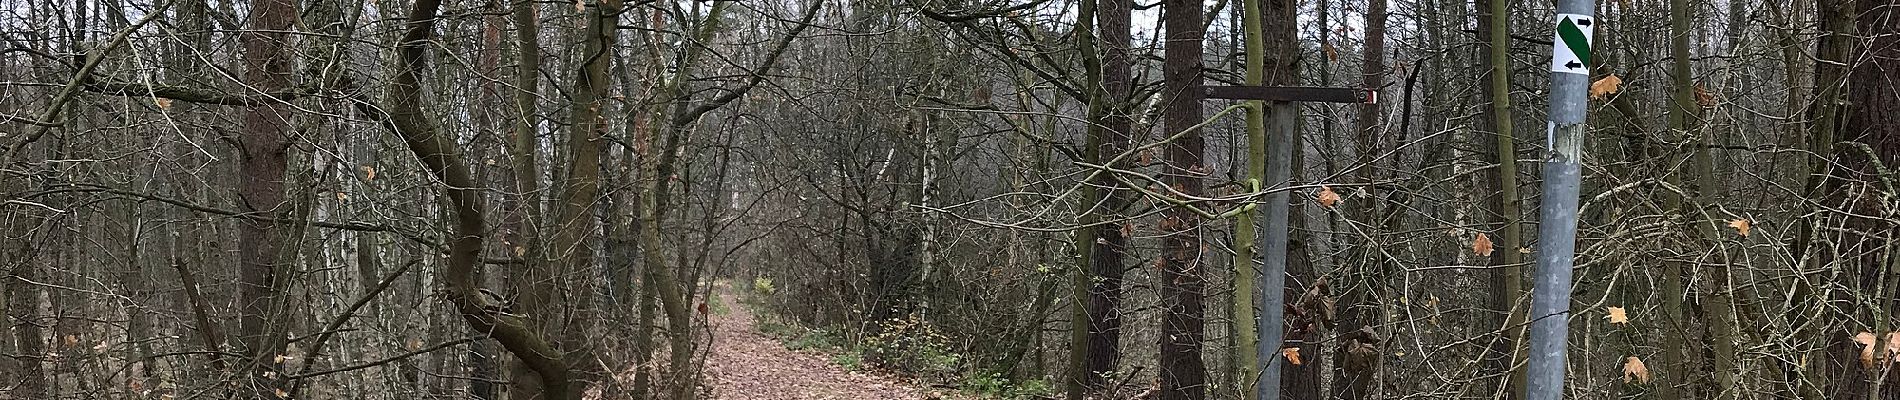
pixel 1482 245
pixel 1703 97
pixel 281 394
pixel 369 173
pixel 1327 197
pixel 1740 225
pixel 163 103
pixel 1618 315
pixel 1331 53
pixel 1893 345
pixel 580 6
pixel 1523 250
pixel 1292 355
pixel 1866 339
pixel 1605 86
pixel 340 196
pixel 1633 368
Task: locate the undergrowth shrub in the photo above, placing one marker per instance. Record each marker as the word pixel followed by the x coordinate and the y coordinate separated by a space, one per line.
pixel 994 385
pixel 911 345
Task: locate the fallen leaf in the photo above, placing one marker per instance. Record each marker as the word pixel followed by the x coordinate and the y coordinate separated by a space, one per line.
pixel 1605 86
pixel 340 196
pixel 1618 315
pixel 1482 245
pixel 1740 225
pixel 580 6
pixel 1327 197
pixel 1633 368
pixel 163 103
pixel 1523 250
pixel 281 394
pixel 1331 53
pixel 280 359
pixel 369 173
pixel 1703 97
pixel 1292 355
pixel 1866 339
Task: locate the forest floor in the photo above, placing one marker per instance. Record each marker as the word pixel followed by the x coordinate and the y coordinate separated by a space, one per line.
pixel 746 364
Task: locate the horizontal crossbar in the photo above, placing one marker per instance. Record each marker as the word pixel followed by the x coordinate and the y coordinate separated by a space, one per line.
pixel 1293 93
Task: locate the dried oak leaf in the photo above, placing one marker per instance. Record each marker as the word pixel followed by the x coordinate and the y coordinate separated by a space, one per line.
pixel 1481 245
pixel 1618 315
pixel 1292 355
pixel 1633 369
pixel 1866 340
pixel 1327 197
pixel 1740 225
pixel 1605 86
pixel 1893 345
pixel 1703 97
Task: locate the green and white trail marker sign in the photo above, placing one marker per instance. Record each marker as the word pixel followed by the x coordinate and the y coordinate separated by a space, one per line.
pixel 1571 52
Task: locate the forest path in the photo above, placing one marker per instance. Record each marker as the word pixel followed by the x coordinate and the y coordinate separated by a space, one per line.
pixel 746 364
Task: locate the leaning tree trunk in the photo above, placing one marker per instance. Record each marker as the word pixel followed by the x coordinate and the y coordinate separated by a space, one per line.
pixel 438 154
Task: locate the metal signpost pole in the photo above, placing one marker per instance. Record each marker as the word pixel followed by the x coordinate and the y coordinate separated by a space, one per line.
pixel 1557 224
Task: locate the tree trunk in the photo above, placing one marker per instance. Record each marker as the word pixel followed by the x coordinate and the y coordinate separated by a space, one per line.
pixel 1507 282
pixel 1113 20
pixel 1358 355
pixel 264 143
pixel 462 193
pixel 26 314
pixel 1866 153
pixel 1183 373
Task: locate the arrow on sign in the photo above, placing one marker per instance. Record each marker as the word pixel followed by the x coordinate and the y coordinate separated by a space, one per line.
pixel 1583 22
pixel 1573 64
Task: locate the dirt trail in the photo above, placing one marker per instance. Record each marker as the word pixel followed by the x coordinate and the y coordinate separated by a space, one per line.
pixel 746 364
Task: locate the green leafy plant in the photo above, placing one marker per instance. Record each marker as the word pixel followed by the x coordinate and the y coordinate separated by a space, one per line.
pixel 849 360
pixel 762 286
pixel 994 385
